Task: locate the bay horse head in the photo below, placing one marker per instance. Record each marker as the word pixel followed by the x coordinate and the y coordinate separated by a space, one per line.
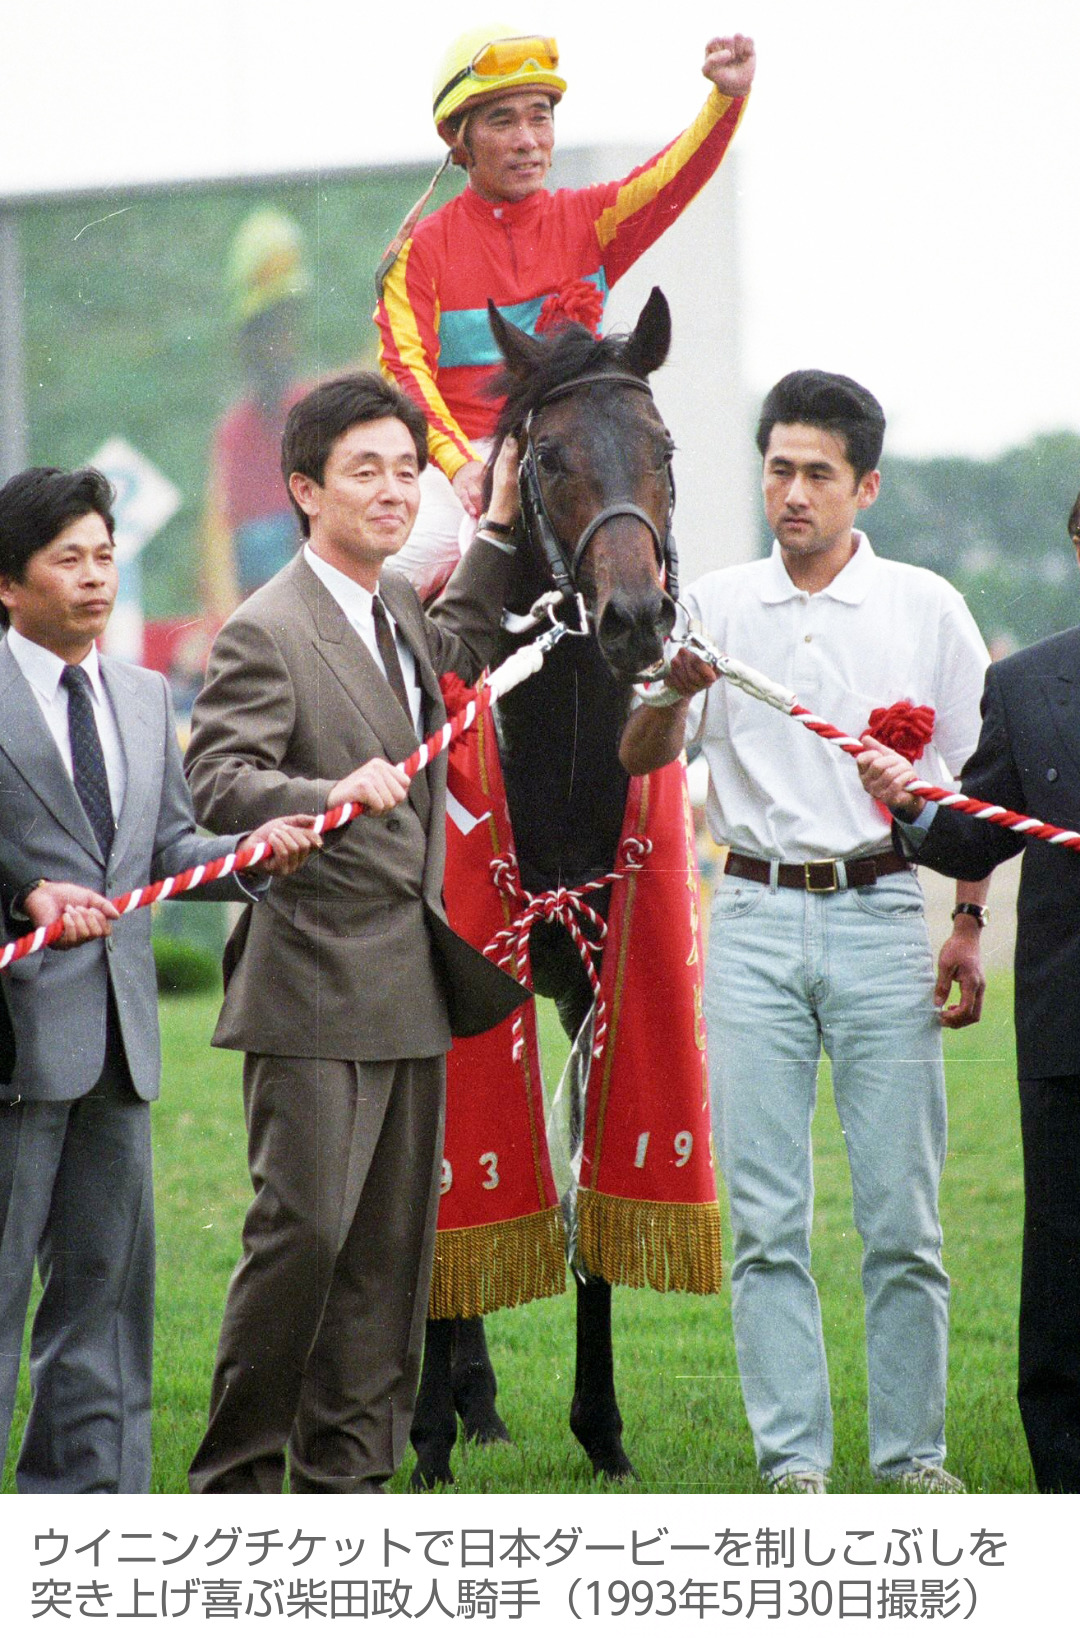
pixel 597 490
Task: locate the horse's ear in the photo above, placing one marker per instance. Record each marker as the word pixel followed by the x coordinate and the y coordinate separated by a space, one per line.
pixel 518 348
pixel 648 346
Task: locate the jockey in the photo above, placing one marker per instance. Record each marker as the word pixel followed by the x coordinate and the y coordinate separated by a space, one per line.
pixel 249 529
pixel 542 257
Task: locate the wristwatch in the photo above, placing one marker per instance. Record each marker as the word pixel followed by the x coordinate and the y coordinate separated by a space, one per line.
pixel 978 912
pixel 484 522
pixel 503 535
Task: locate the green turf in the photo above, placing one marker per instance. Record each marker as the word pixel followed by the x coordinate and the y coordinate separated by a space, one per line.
pixel 675 1360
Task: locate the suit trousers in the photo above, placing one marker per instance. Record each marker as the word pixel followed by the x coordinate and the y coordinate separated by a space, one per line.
pixel 76 1192
pixel 322 1337
pixel 1049 1376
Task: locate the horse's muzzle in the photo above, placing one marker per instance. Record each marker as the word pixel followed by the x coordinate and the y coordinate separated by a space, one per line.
pixel 632 629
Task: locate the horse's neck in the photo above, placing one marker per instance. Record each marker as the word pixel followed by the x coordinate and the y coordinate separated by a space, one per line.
pixel 559 736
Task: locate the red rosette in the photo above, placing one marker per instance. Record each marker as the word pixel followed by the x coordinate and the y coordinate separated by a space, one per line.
pixel 579 302
pixel 904 727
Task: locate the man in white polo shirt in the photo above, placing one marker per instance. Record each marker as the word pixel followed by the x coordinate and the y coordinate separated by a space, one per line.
pixel 818 938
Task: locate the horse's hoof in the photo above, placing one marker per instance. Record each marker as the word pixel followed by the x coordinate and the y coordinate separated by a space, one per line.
pixel 612 1463
pixel 600 1437
pixel 430 1477
pixel 484 1426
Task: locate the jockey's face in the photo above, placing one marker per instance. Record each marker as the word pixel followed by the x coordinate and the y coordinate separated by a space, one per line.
pixel 508 144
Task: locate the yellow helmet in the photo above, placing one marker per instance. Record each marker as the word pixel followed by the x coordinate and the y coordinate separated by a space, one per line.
pixel 266 264
pixel 490 59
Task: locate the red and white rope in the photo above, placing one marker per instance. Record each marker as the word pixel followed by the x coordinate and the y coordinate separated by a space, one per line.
pixel 762 688
pixel 523 663
pixel 1007 818
pixel 562 905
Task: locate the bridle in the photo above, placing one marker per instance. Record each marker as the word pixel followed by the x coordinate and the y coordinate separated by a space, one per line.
pixel 564 564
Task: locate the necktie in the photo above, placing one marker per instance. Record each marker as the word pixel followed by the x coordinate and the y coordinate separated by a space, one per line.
pixel 384 642
pixel 87 757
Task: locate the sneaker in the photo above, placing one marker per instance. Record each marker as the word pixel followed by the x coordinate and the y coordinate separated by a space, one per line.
pixel 800 1482
pixel 931 1480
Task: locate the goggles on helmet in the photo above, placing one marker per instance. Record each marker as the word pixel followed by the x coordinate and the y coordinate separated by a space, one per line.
pixel 500 59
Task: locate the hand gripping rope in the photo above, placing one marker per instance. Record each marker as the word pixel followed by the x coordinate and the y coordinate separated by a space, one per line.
pixel 763 688
pixel 521 664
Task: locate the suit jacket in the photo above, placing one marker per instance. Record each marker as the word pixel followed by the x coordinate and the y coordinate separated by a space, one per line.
pixel 1028 759
pixel 59 997
pixel 348 958
pixel 14 874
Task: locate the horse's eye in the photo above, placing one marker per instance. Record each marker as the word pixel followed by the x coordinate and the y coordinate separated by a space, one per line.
pixel 549 460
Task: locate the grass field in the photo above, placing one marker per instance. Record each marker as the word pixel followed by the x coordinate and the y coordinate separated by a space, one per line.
pixel 675 1357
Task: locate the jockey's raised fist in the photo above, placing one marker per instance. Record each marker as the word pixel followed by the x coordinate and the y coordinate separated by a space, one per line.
pixel 730 63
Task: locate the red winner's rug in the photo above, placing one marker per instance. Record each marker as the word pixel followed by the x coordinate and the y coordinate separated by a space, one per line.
pixel 647 1211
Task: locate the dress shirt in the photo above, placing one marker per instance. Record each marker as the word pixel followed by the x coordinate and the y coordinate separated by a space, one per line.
pixel 880 632
pixel 355 604
pixel 43 670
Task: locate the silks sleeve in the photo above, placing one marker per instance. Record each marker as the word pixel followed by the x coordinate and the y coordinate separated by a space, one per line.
pixel 633 213
pixel 408 322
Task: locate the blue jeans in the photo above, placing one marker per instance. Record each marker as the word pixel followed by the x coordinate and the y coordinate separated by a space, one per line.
pixel 790 973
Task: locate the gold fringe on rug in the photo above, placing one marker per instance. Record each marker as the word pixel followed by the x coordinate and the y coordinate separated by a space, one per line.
pixel 497 1265
pixel 670 1246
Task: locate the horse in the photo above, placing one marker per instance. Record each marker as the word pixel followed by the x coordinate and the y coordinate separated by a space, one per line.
pixel 597 498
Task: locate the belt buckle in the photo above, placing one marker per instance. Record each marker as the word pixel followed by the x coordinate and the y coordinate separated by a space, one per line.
pixel 817 864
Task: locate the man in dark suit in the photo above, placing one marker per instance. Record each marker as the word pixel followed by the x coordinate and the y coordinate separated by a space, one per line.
pixel 92 792
pixel 344 987
pixel 1028 759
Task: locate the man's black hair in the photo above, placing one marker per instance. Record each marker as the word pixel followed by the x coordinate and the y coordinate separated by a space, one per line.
pixel 836 404
pixel 328 411
pixel 38 504
pixel 1074 518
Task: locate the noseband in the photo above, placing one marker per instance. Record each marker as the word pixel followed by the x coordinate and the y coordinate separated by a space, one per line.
pixel 565 565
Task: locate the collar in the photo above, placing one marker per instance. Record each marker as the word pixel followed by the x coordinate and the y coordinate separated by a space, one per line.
pixel 512 212
pixel 353 599
pixel 849 586
pixel 43 669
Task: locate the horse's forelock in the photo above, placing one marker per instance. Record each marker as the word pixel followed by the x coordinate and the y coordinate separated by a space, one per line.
pixel 568 352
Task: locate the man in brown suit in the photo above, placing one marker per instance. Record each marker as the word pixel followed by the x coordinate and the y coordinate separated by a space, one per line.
pixel 344 983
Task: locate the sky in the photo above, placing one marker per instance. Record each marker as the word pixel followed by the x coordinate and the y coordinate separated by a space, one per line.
pixel 908 199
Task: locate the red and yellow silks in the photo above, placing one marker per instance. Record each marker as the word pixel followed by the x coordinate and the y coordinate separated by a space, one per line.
pixel 435 340
pixel 647 1208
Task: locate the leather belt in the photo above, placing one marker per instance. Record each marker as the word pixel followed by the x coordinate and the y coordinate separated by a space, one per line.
pixel 820 875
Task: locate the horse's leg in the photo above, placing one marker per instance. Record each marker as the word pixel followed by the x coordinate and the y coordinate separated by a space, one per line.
pixel 473 1381
pixel 594 1413
pixel 595 1419
pixel 434 1424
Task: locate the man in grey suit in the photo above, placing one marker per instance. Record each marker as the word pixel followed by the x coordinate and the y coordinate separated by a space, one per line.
pixel 85 914
pixel 346 982
pixel 93 790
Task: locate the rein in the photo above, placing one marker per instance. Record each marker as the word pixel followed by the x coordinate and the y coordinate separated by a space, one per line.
pixel 564 564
